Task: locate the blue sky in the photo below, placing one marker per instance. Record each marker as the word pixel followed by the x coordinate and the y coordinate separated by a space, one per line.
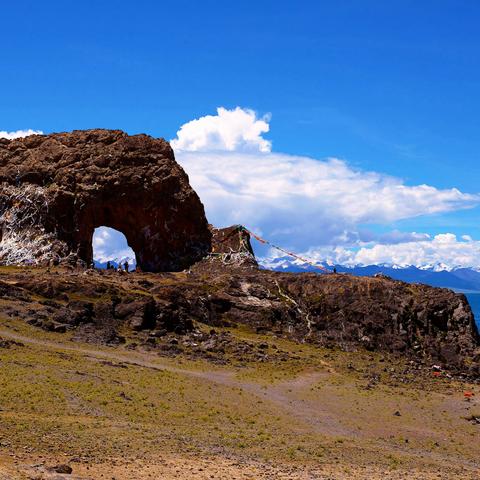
pixel 388 87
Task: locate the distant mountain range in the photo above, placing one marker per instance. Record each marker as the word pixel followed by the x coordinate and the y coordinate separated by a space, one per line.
pixel 462 279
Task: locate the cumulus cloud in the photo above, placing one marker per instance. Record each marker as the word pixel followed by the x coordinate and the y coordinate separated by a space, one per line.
pixel 443 251
pixel 19 133
pixel 230 130
pixel 396 236
pixel 300 200
pixel 305 201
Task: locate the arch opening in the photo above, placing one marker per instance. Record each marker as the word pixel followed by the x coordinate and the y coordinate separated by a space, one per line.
pixel 111 246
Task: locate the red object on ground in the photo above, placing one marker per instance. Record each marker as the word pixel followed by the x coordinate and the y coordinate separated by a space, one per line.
pixel 436 374
pixel 468 394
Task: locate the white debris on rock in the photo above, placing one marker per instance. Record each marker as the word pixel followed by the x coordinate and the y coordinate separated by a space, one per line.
pixel 24 240
pixel 236 259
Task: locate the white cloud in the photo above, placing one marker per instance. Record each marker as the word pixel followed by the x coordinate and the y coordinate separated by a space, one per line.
pixel 443 251
pixel 101 237
pixel 19 134
pixel 230 130
pixel 294 198
pixel 305 201
pixel 395 236
pixel 298 201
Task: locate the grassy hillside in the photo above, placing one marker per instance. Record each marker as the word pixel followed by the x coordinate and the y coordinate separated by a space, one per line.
pixel 111 411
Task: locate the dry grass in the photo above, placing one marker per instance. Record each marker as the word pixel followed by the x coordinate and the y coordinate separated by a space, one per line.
pixel 317 411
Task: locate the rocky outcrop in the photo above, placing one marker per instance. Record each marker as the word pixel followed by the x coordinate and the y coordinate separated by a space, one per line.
pixel 231 246
pixel 56 189
pixel 429 325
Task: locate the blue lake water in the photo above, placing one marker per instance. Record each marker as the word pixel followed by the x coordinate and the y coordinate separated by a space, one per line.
pixel 474 300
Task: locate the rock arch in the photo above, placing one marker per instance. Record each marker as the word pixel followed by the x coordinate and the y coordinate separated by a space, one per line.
pixel 56 189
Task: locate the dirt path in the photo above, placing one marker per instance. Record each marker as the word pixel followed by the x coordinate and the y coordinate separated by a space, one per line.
pixel 314 417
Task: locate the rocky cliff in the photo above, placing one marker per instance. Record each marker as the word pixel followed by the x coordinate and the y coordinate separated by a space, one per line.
pixel 56 189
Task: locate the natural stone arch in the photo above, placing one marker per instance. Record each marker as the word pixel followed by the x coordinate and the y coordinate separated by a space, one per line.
pixel 71 183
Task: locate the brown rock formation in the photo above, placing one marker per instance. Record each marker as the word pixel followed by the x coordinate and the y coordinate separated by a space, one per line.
pixel 231 246
pixel 429 325
pixel 56 189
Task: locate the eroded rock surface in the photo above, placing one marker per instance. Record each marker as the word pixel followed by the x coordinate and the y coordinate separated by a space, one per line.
pixel 231 246
pixel 169 311
pixel 56 189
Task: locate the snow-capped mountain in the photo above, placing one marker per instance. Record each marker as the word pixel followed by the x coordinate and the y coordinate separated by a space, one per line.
pixel 438 275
